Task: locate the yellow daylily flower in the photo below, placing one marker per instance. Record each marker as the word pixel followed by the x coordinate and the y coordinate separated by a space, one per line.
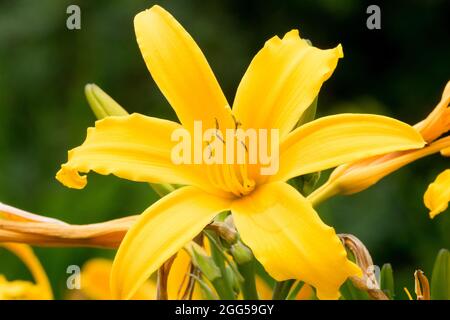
pixel 360 175
pixel 26 290
pixel 280 226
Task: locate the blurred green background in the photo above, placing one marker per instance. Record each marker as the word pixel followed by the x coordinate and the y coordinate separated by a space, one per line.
pixel 398 71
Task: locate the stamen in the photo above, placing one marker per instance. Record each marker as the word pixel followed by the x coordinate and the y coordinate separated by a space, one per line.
pixel 218 131
pixel 217 124
pixel 244 145
pixel 237 123
pixel 226 176
pixel 236 185
pixel 210 151
pixel 248 184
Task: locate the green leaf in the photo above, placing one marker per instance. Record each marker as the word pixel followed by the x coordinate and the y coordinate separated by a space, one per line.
pixel 210 270
pixel 204 262
pixel 440 280
pixel 293 293
pixel 350 292
pixel 207 293
pixel 281 289
pixel 219 254
pixel 387 280
pixel 305 184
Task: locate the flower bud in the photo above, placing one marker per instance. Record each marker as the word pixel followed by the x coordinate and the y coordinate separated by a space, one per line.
pixel 101 103
pixel 241 253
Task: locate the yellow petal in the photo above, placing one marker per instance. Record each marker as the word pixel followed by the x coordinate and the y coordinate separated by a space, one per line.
pixel 107 234
pixel 134 147
pixel 305 293
pixel 438 121
pixel 15 214
pixel 159 233
pixel 95 279
pixel 330 141
pixel 179 273
pixel 437 196
pixel 263 289
pixel 180 70
pixel 95 276
pixel 287 236
pixel 26 254
pixel 282 81
pixel 179 278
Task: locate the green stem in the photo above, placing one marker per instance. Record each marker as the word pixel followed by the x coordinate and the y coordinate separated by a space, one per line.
pixel 224 283
pixel 223 289
pixel 281 289
pixel 248 286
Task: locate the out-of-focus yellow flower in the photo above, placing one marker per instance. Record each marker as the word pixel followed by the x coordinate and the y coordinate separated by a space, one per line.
pixel 95 276
pixel 437 196
pixel 280 226
pixel 360 175
pixel 26 290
